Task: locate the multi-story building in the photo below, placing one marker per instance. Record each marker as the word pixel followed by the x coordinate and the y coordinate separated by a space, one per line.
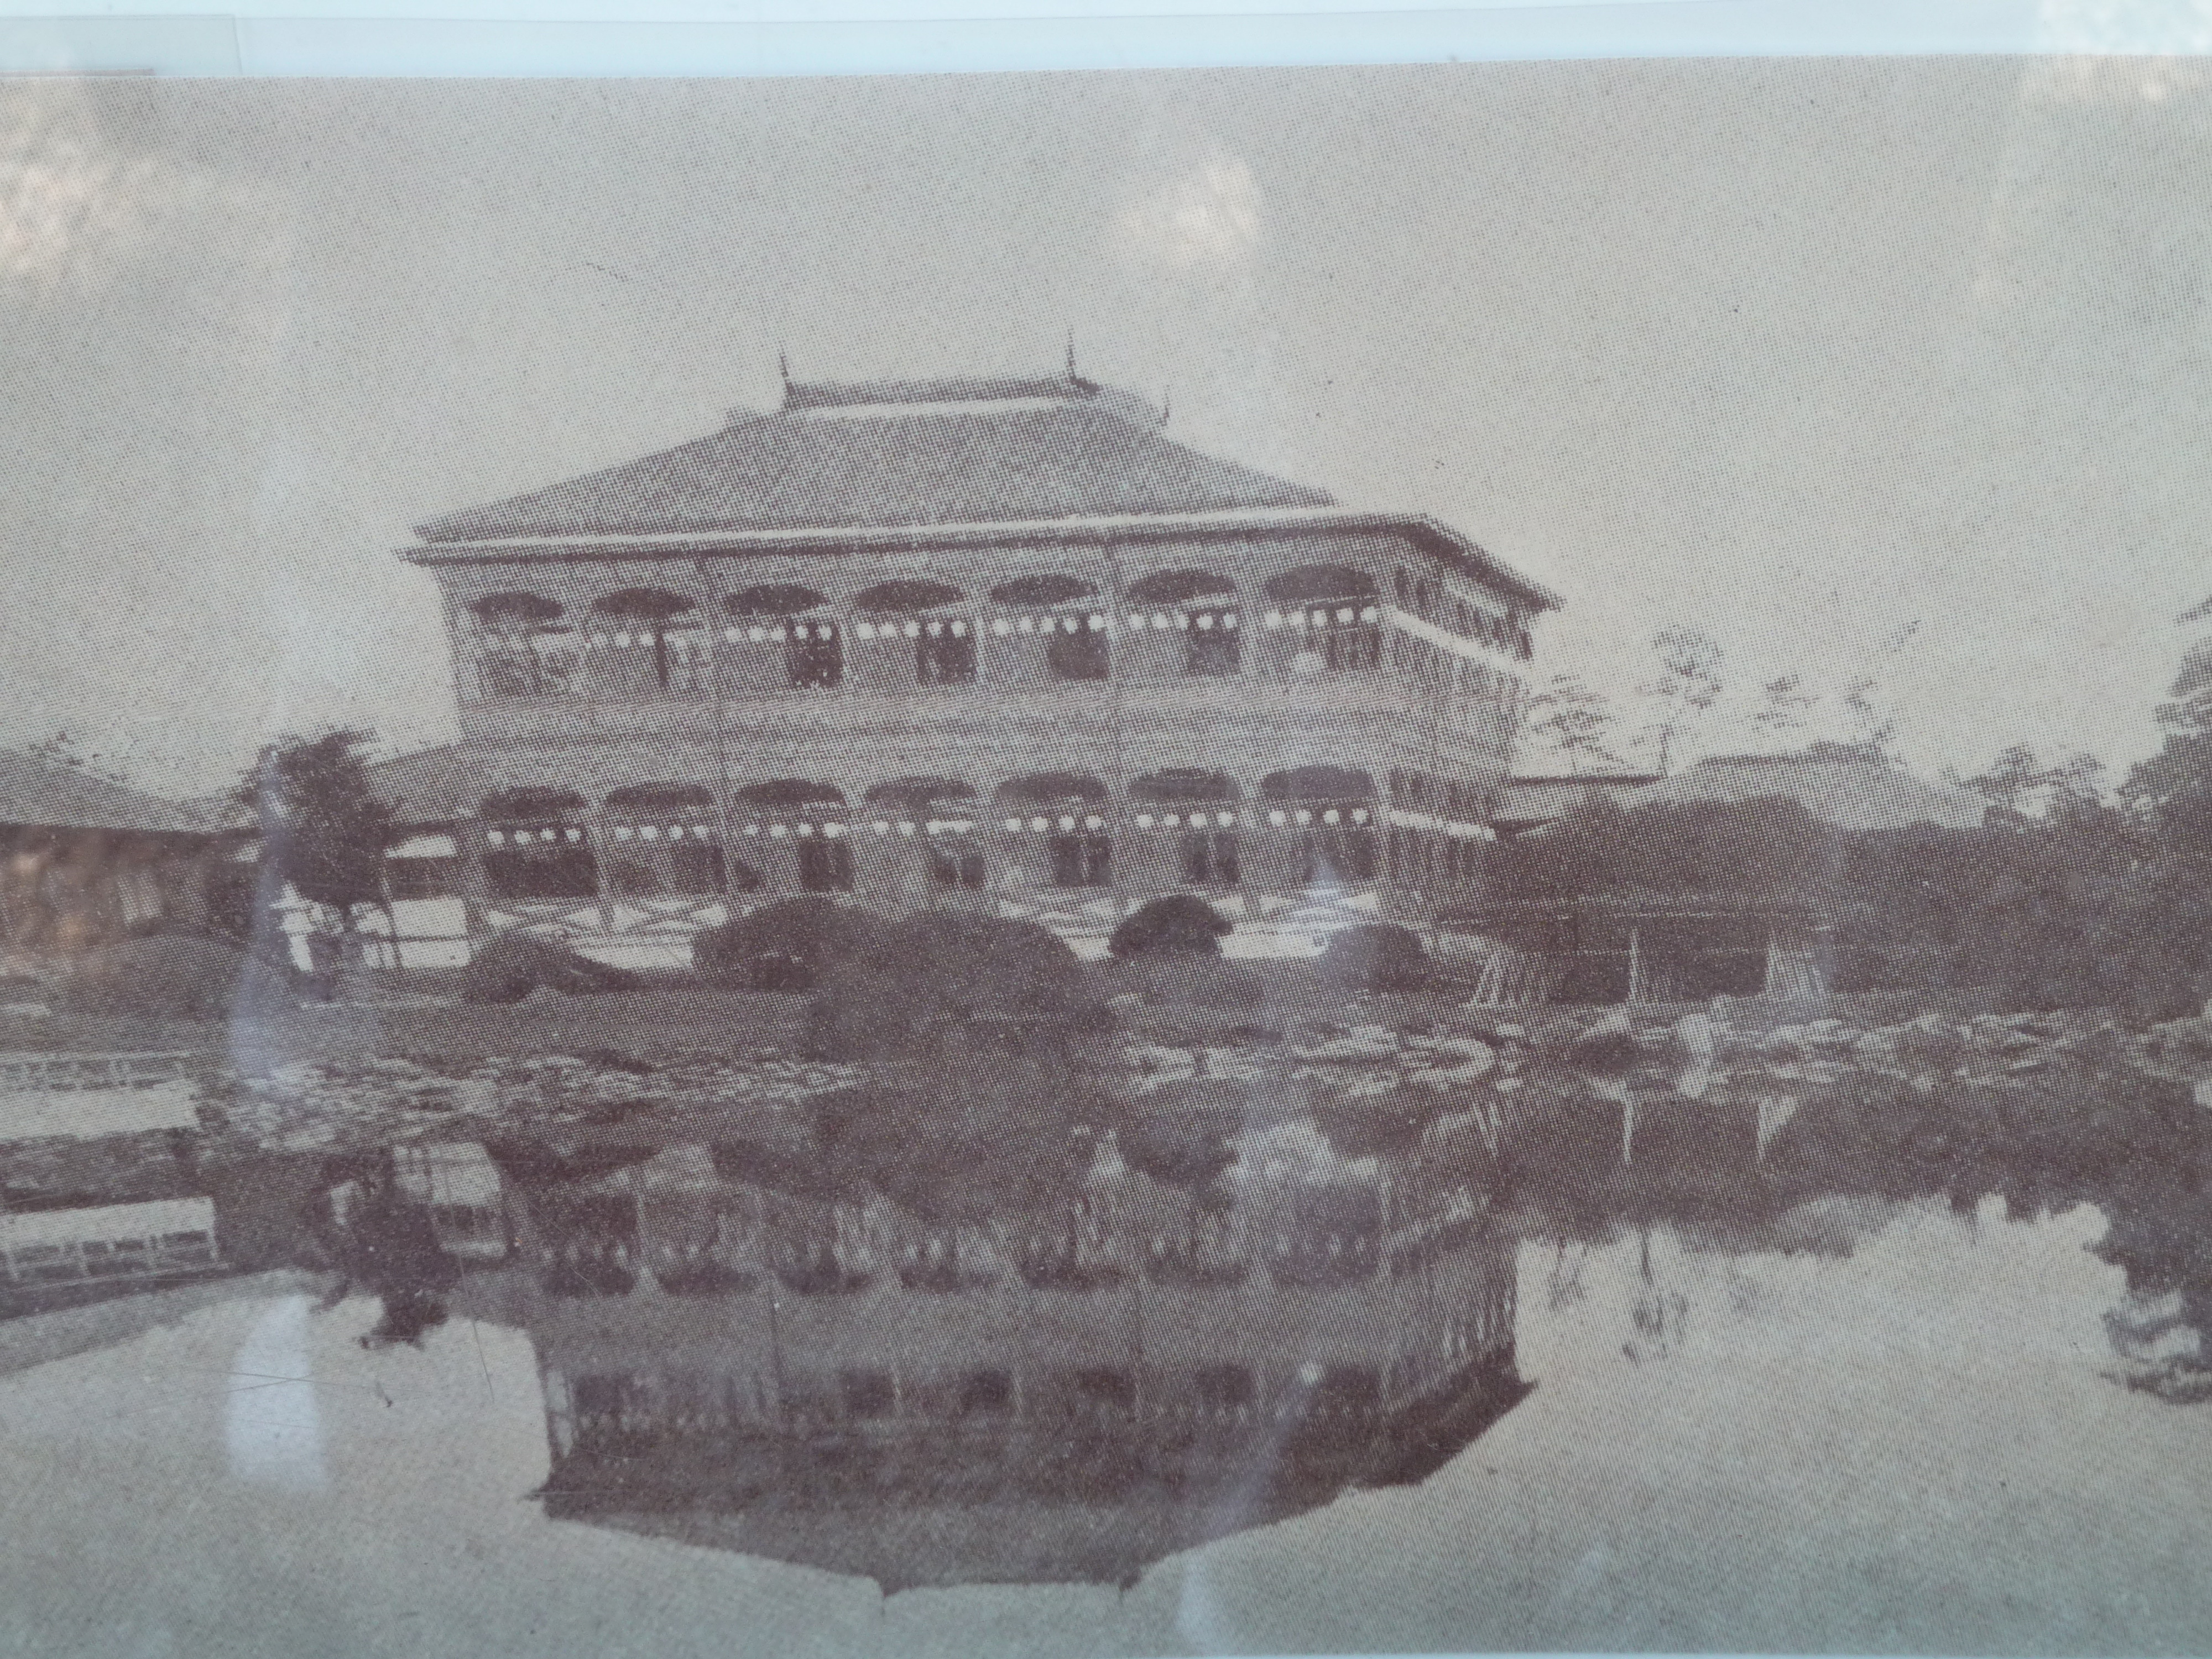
pixel 998 644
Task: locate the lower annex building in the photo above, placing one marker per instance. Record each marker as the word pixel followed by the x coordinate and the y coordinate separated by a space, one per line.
pixel 988 644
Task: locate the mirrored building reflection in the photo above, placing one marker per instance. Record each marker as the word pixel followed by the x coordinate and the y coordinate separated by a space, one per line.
pixel 751 1355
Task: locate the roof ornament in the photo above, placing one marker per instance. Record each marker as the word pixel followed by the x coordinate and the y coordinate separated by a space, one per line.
pixel 783 369
pixel 1167 403
pixel 1070 353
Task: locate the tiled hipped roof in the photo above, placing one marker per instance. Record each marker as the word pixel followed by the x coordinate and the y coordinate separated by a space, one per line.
pixel 436 785
pixel 1853 793
pixel 895 454
pixel 51 796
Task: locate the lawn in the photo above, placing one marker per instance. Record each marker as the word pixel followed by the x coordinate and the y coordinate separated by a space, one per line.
pixel 675 1018
pixel 653 1024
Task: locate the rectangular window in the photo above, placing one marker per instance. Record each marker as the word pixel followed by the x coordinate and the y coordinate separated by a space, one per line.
pixel 541 665
pixel 424 878
pixel 695 868
pixel 815 656
pixel 1104 1391
pixel 1225 1388
pixel 986 1394
pixel 944 658
pixel 1213 646
pixel 1080 656
pixel 1082 860
pixel 825 866
pixel 681 661
pixel 1211 859
pixel 562 870
pixel 505 673
pixel 1329 858
pixel 956 866
pixel 868 1394
pixel 1347 649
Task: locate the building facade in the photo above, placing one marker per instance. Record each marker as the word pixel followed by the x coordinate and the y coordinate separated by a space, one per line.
pixel 988 644
pixel 85 860
pixel 1630 947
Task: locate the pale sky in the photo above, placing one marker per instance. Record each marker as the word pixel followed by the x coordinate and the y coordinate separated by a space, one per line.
pixel 1895 368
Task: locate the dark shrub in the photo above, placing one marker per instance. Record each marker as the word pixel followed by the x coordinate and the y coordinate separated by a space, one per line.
pixel 174 978
pixel 941 968
pixel 1180 921
pixel 1184 1148
pixel 1370 1126
pixel 1378 957
pixel 1182 979
pixel 512 965
pixel 1605 1052
pixel 787 945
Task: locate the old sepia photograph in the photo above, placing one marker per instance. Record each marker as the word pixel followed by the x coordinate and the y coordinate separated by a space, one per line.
pixel 1347 860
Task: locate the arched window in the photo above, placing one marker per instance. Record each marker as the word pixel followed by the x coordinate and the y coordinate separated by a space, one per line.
pixel 1330 615
pixel 648 642
pixel 1031 591
pixel 663 838
pixel 1184 783
pixel 1330 811
pixel 773 599
pixel 784 621
pixel 942 814
pixel 531 801
pixel 1067 811
pixel 1044 787
pixel 1317 783
pixel 534 849
pixel 1196 607
pixel 809 817
pixel 918 795
pixel 912 612
pixel 1198 809
pixel 523 646
pixel 1062 614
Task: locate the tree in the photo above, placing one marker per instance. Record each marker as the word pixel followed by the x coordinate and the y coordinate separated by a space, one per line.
pixel 1873 728
pixel 323 830
pixel 1687 684
pixel 2041 933
pixel 1783 705
pixel 1574 721
pixel 2190 709
pixel 61 749
pixel 2019 785
pixel 2159 922
pixel 2172 790
pixel 2011 777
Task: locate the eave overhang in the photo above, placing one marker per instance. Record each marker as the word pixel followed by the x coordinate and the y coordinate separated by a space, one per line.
pixel 1431 535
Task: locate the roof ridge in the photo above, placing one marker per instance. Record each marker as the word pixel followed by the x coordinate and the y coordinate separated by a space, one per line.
pixel 937 389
